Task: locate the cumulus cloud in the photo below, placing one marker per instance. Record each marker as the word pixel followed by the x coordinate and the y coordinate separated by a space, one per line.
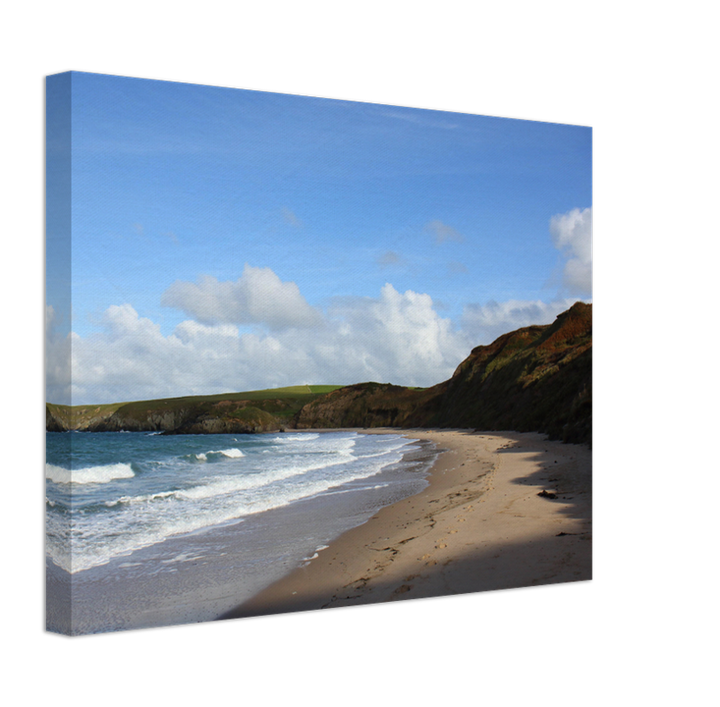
pixel 443 232
pixel 572 234
pixel 130 359
pixel 396 337
pixel 257 297
pixel 400 337
pixel 131 352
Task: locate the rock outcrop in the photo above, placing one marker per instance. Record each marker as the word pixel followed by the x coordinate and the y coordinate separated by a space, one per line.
pixel 364 405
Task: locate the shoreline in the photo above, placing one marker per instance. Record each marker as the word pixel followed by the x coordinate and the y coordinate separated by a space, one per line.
pixel 479 525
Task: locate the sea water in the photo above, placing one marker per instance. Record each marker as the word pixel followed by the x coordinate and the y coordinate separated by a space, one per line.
pixel 144 529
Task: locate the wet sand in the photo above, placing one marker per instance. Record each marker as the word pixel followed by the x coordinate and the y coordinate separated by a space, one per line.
pixel 502 510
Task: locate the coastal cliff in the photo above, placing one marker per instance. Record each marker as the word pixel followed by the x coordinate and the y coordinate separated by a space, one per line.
pixel 236 413
pixel 367 405
pixel 537 378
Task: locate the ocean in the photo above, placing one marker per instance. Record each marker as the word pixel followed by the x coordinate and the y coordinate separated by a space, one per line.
pixel 144 529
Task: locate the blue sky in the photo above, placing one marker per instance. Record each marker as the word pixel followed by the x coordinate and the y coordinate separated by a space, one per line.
pixel 205 219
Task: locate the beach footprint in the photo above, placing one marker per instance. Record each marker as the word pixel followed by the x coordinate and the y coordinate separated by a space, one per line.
pixel 427 559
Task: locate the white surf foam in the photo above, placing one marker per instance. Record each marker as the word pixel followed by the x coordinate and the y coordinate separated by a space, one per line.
pixel 91 475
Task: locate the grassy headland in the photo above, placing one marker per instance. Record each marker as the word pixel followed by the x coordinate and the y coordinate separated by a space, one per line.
pixel 538 378
pixel 251 411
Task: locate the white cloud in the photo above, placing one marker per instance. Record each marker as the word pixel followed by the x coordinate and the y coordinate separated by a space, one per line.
pixel 400 337
pixel 129 354
pixel 257 297
pixel 572 234
pixel 396 337
pixel 123 321
pixel 193 332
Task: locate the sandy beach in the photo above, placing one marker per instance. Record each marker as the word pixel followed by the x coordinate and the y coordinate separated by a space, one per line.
pixel 502 510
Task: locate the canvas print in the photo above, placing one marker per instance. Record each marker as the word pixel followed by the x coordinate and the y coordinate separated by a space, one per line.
pixel 306 353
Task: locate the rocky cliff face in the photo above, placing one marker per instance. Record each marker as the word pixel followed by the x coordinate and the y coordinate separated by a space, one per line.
pixel 363 405
pixel 152 420
pixel 53 422
pixel 179 417
pixel 211 415
pixel 537 378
